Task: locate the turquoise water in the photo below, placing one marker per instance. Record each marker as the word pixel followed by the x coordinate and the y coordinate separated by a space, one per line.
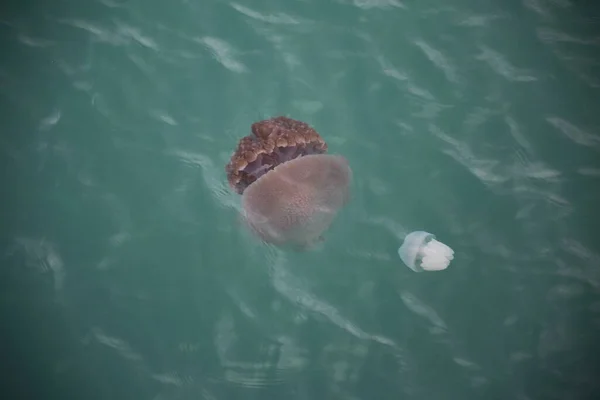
pixel 127 274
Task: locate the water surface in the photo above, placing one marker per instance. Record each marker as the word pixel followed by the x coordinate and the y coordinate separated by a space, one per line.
pixel 126 273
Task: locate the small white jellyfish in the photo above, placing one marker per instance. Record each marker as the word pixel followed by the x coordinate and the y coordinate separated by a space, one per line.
pixel 421 252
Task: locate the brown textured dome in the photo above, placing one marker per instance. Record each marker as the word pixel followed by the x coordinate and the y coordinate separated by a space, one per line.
pixel 298 200
pixel 272 142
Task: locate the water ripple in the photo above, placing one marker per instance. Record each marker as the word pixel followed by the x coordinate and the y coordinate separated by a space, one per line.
pixel 130 32
pixel 574 133
pixel 287 285
pixel 35 42
pixel 538 7
pixel 589 171
pixel 490 172
pixel 548 35
pixel 44 256
pixel 119 345
pixel 380 4
pixel 99 33
pixel 280 18
pixel 211 175
pixel 278 359
pixel 390 70
pixel 49 121
pixel 502 67
pixel 438 59
pixel 418 307
pixel 223 53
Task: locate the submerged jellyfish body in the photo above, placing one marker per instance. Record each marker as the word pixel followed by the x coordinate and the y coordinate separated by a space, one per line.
pixel 422 252
pixel 291 190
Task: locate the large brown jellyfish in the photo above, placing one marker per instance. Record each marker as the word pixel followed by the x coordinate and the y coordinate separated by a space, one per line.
pixel 291 190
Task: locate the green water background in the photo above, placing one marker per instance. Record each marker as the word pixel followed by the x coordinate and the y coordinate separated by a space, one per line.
pixel 127 275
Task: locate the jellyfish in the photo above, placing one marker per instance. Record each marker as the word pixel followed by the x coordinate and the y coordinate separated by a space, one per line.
pixel 422 252
pixel 291 189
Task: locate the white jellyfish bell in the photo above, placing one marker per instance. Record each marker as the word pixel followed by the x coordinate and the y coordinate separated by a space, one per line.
pixel 421 252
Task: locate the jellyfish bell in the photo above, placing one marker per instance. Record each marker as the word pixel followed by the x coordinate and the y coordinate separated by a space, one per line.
pixel 291 190
pixel 420 251
pixel 298 200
